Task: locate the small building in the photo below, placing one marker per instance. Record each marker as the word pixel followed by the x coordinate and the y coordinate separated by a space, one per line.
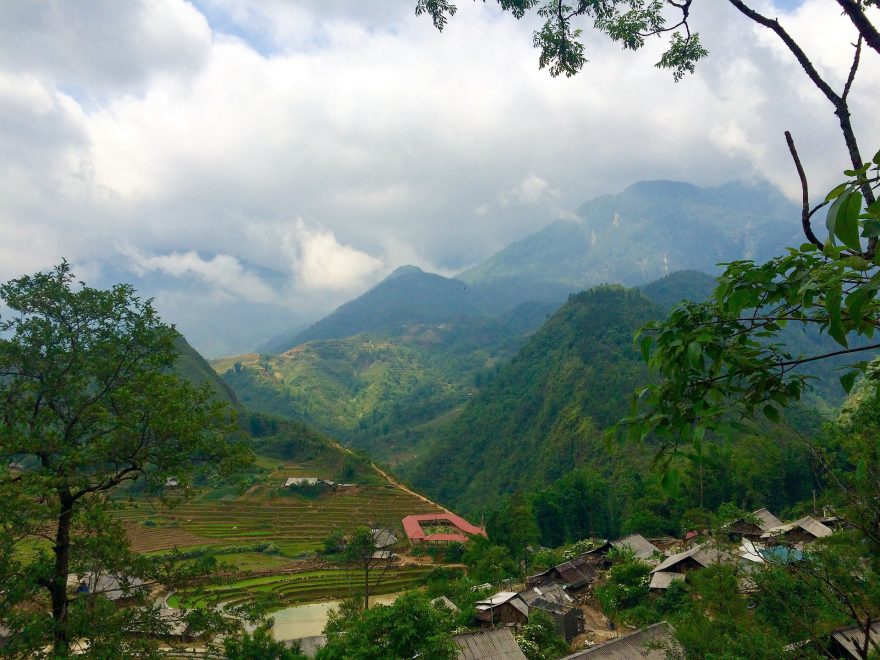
pixel 569 620
pixel 803 530
pixel 847 642
pixel 439 528
pixel 298 482
pixel 498 644
pixel 443 601
pixel 641 547
pixel 383 538
pixel 172 482
pixel 759 521
pixel 505 607
pixel 695 558
pixel 575 574
pixel 117 588
pixel 662 580
pixel 644 644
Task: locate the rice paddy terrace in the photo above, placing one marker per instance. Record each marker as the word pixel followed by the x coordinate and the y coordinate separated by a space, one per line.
pixel 294 524
pixel 282 590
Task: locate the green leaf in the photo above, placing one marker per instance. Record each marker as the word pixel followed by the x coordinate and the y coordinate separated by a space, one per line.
pixel 876 159
pixel 836 192
pixel 857 263
pixel 871 228
pixel 694 353
pixel 771 413
pixel 670 482
pixel 861 470
pixel 846 226
pixel 645 346
pixel 848 379
pixel 832 306
pixel 808 247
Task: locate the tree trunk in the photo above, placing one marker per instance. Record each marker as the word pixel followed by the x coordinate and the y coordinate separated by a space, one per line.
pixel 60 633
pixel 366 587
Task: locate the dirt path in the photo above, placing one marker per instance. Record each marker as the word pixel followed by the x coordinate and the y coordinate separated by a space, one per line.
pixel 399 485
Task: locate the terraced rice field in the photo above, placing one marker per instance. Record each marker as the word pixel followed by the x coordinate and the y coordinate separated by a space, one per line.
pixel 282 590
pixel 294 524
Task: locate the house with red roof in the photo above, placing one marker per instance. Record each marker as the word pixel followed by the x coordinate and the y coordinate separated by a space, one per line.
pixel 439 528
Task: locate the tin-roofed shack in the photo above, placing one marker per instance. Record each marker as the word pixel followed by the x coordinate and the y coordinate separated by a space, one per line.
pixel 505 607
pixel 497 644
pixel 756 524
pixel 644 644
pixel 641 547
pixel 803 530
pixel 575 574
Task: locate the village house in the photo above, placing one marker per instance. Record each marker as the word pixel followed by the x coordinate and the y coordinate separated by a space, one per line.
pixel 803 530
pixel 575 574
pixel 641 547
pixel 645 644
pixel 439 528
pixel 383 538
pixel 505 607
pixel 758 522
pixel 116 588
pixel 498 644
pixel 553 600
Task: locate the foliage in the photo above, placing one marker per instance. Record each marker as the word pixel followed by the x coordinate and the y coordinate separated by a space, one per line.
pixel 539 639
pixel 487 562
pixel 89 403
pixel 259 645
pixel 333 543
pixel 409 627
pixel 626 586
pixel 361 550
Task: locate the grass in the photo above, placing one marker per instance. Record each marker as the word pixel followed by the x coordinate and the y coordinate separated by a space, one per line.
pixel 282 590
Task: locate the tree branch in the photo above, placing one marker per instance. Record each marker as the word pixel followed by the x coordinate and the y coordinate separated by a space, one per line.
pixel 856 14
pixel 805 194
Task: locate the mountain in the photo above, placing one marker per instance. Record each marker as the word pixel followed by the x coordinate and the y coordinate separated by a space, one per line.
pixel 191 366
pixel 648 231
pixel 544 413
pixel 408 296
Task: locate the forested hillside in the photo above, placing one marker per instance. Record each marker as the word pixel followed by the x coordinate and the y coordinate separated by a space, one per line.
pixel 545 412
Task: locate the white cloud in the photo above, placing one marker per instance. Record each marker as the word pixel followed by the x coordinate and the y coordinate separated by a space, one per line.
pixel 222 272
pixel 184 129
pixel 320 262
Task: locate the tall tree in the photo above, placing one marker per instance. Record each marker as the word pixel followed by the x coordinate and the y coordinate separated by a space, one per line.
pixel 88 404
pixel 361 550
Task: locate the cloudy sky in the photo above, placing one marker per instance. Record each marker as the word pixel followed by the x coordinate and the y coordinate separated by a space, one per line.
pixel 254 163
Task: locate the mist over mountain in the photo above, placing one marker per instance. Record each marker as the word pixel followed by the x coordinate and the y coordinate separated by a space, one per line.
pixel 649 230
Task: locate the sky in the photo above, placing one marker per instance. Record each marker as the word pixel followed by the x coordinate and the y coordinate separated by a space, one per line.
pixel 252 164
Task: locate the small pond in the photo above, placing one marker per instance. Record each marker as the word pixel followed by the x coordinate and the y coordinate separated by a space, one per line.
pixel 310 619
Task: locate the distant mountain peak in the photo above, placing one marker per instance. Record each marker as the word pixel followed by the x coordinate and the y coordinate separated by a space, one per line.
pixel 403 270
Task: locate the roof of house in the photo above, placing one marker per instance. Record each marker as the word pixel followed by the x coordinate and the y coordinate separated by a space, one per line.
pixel 641 547
pixel 501 598
pixel 631 646
pixel 499 644
pixel 553 593
pixel 445 602
pixel 702 554
pixel 382 538
pixel 807 523
pixel 301 481
pixel 853 638
pixel 663 579
pixel 413 528
pixel 768 520
pixel 112 587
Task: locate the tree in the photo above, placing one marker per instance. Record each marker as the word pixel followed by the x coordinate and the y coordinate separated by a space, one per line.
pixel 260 645
pixel 411 627
pixel 361 549
pixel 89 406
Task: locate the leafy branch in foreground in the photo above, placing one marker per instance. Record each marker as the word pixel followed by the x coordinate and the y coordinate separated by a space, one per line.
pixel 721 362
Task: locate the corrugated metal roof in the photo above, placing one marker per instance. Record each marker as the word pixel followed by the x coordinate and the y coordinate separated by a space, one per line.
pixel 663 579
pixel 445 602
pixel 383 538
pixel 641 547
pixel 553 593
pixel 497 599
pixel 497 644
pixel 301 481
pixel 768 520
pixel 702 554
pixel 852 639
pixel 807 523
pixel 632 646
